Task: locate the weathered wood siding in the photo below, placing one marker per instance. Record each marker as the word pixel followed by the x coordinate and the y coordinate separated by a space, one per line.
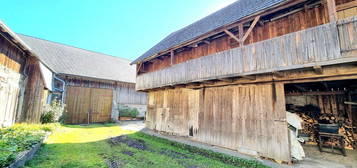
pixel 82 101
pixel 318 45
pixel 128 95
pixel 12 63
pixel 346 8
pixel 173 111
pixel 32 106
pixel 11 57
pixel 248 118
pixel 10 86
pixel 347 30
pixel 124 93
pixel 294 22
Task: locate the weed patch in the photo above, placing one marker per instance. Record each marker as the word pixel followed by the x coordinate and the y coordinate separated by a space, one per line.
pixel 18 138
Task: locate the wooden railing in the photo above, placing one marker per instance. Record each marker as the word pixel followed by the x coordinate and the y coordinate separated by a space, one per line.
pixel 315 46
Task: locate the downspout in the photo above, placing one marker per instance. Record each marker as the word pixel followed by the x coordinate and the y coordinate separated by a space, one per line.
pixel 63 88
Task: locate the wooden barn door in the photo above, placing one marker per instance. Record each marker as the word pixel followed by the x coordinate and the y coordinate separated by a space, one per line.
pixel 249 118
pixel 83 101
pixel 101 105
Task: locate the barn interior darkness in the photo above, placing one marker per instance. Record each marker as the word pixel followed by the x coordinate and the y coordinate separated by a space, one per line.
pixel 325 102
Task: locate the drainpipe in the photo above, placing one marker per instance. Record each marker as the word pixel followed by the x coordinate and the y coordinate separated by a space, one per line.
pixel 63 88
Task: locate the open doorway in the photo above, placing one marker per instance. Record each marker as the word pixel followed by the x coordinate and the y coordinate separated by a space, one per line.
pixel 326 107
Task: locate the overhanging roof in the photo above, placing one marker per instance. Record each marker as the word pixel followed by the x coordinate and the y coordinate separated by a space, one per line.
pixel 228 15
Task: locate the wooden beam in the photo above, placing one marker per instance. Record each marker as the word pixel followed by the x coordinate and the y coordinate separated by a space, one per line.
pixel 347 5
pixel 278 74
pixel 207 41
pixel 138 70
pixel 331 8
pixel 248 77
pixel 241 34
pixel 172 54
pixel 256 19
pixel 209 82
pixel 160 58
pixel 318 69
pixel 351 103
pixel 229 80
pixel 230 26
pixel 230 34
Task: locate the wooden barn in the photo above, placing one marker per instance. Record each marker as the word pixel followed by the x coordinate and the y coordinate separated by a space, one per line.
pixel 92 85
pixel 21 81
pixel 229 78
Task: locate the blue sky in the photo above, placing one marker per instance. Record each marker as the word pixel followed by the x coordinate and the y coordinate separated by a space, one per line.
pixel 124 28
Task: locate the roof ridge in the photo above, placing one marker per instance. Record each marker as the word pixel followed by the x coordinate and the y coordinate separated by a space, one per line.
pixel 59 43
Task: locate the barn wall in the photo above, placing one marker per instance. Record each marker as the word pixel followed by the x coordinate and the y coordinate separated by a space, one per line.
pixel 12 63
pixel 249 118
pixel 10 86
pixel 285 25
pixel 33 96
pixel 127 92
pixel 123 94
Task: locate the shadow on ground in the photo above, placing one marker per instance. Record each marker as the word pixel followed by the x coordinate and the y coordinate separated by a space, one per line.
pixel 75 146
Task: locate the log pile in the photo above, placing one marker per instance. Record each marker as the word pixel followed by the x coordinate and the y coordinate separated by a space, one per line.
pixel 312 118
pixel 310 128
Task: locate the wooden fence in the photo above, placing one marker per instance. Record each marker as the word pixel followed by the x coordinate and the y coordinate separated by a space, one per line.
pixel 307 48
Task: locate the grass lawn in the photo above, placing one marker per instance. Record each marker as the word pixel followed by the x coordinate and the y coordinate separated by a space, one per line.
pixel 109 146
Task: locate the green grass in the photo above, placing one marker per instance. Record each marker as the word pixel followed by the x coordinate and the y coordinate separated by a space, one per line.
pixel 88 146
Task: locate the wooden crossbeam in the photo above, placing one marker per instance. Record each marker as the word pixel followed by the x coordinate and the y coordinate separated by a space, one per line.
pixel 242 36
pixel 206 41
pixel 138 70
pixel 230 34
pixel 346 5
pixel 256 19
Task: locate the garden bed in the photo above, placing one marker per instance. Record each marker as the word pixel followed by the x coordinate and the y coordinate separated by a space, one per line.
pixel 20 142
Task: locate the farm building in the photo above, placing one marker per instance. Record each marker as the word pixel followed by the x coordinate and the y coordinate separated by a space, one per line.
pixel 21 81
pixel 34 72
pixel 92 85
pixel 229 78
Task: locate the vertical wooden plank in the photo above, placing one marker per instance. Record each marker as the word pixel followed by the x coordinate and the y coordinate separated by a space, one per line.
pixel 331 8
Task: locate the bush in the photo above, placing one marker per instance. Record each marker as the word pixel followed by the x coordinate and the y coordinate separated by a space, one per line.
pixel 128 112
pixel 19 138
pixel 52 112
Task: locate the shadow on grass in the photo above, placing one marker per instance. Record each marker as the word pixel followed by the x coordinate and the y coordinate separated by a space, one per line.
pixel 97 125
pixel 131 150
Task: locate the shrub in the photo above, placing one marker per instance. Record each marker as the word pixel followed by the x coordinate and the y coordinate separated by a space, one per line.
pixel 52 112
pixel 128 112
pixel 19 138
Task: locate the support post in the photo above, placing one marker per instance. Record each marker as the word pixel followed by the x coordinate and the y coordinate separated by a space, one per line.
pixel 171 57
pixel 331 8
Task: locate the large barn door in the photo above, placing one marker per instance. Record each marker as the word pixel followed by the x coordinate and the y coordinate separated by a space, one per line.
pixel 249 118
pixel 88 105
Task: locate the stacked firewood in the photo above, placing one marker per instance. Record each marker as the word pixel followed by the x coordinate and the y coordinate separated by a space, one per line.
pixel 310 128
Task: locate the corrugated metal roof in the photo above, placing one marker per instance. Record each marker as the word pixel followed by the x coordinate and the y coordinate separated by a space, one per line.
pixel 64 59
pixel 225 16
